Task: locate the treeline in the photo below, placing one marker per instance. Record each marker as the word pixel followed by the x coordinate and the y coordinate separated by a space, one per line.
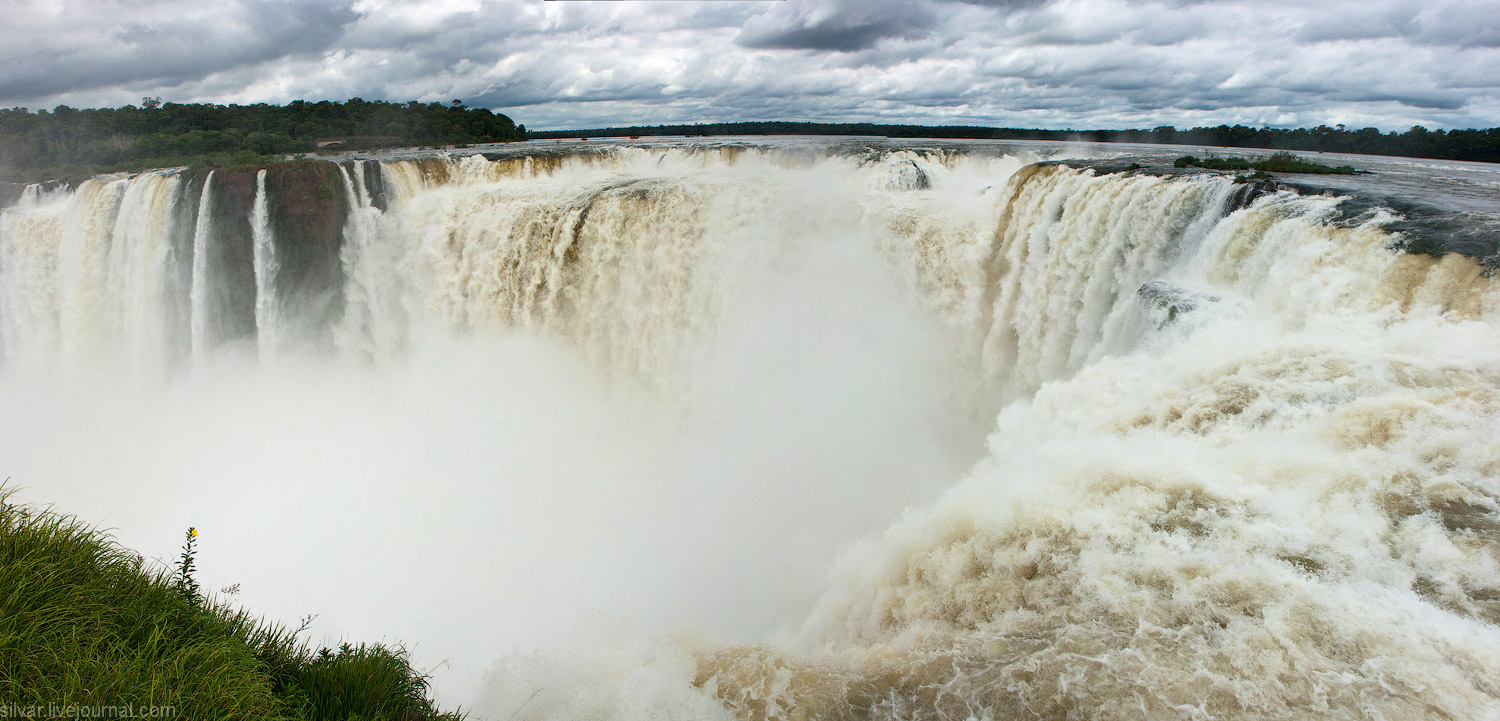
pixel 69 141
pixel 1418 142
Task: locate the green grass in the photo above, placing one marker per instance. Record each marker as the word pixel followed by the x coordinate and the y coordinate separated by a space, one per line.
pixel 84 621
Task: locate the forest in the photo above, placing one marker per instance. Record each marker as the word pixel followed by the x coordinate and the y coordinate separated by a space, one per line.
pixel 72 143
pixel 69 142
pixel 1418 142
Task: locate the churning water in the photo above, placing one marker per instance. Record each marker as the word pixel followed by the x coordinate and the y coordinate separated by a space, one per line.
pixel 789 430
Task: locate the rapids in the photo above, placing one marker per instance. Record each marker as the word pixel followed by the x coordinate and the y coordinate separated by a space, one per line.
pixel 1074 444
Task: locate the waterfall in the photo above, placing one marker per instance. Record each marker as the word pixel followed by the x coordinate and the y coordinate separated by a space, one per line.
pixel 139 250
pixel 1224 459
pixel 29 278
pixel 83 268
pixel 198 296
pixel 374 321
pixel 1036 274
pixel 267 306
pixel 39 194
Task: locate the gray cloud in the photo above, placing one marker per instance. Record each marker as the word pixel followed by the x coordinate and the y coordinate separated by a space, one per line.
pixel 1036 63
pixel 122 43
pixel 1461 24
pixel 1006 4
pixel 840 25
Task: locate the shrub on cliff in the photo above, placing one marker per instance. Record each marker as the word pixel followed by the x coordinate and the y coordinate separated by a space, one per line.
pixel 1279 162
pixel 1226 164
pixel 1284 162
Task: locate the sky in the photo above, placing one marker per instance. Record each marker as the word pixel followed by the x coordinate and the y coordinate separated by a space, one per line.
pixel 1081 64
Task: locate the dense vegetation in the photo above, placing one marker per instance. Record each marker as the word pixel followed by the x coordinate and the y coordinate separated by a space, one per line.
pixel 1280 162
pixel 87 623
pixel 1418 142
pixel 70 142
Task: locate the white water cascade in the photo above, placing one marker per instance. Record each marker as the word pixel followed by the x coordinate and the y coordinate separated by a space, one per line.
pixel 198 295
pixel 1076 444
pixel 375 322
pixel 267 307
pixel 88 274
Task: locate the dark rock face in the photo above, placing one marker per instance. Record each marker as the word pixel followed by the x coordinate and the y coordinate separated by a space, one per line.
pixel 10 193
pixel 910 176
pixel 179 270
pixel 1248 192
pixel 1166 302
pixel 374 184
pixel 307 208
pixel 231 259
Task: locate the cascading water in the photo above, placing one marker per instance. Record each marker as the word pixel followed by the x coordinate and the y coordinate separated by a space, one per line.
pixel 374 322
pixel 139 253
pixel 198 295
pixel 1238 464
pixel 89 274
pixel 267 308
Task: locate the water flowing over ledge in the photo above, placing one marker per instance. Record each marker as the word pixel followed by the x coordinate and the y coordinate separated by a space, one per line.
pixel 1239 457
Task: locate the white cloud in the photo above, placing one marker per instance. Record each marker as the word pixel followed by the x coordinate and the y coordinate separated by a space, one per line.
pixel 1064 63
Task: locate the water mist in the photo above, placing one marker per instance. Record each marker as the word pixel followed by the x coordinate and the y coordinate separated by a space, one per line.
pixel 787 431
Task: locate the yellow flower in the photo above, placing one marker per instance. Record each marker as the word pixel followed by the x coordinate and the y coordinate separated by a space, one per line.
pixel 192 533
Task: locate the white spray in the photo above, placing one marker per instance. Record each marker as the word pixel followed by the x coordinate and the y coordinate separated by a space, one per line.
pixel 1238 466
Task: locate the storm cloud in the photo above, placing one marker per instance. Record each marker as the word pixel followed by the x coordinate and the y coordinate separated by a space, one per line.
pixel 1033 63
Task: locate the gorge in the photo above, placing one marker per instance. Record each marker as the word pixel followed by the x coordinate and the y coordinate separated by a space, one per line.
pixel 1077 439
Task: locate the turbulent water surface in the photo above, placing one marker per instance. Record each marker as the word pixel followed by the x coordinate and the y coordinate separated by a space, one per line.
pixel 797 429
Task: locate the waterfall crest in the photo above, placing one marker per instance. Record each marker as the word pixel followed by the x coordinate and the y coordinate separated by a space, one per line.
pixel 1036 273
